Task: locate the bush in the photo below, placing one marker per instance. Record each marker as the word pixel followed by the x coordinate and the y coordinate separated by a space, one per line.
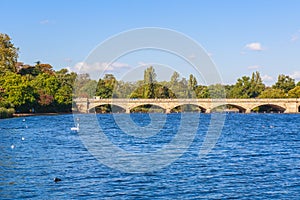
pixel 6 113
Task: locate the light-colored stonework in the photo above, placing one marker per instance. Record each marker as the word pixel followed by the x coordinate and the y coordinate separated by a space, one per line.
pixel 85 105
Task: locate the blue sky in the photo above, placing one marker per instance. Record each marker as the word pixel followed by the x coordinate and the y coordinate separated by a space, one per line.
pixel 240 36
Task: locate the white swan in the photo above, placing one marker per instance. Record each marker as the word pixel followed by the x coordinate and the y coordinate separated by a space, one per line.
pixel 75 128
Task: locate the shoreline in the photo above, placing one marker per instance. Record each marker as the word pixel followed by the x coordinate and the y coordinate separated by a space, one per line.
pixel 38 114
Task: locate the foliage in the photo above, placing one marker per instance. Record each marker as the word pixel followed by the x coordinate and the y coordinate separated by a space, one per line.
pixel 8 54
pixel 295 92
pixel 25 88
pixel 202 92
pixel 247 87
pixel 241 88
pixel 149 83
pixel 17 91
pixel 105 86
pixel 284 83
pixel 273 93
pixel 257 85
pixel 217 91
pixel 6 113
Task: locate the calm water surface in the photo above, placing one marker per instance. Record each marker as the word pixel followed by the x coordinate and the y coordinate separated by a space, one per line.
pixel 256 157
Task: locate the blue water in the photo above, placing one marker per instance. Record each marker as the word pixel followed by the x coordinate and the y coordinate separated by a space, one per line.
pixel 256 157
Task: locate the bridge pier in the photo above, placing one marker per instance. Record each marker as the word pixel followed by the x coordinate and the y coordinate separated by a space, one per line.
pixel 248 110
pixel 127 110
pixel 208 110
pixel 291 108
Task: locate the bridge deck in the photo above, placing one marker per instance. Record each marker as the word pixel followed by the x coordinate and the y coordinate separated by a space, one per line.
pixel 287 105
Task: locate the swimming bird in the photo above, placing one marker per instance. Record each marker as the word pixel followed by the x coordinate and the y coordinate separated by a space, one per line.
pixel 75 128
pixel 57 179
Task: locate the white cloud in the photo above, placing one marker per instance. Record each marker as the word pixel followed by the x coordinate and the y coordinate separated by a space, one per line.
pixel 296 75
pixel 68 60
pixel 254 67
pixel 295 36
pixel 255 46
pixel 267 78
pixel 46 22
pixel 98 68
pixel 143 64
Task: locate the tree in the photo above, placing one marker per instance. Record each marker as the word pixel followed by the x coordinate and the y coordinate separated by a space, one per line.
pixel 295 92
pixel 174 78
pixel 149 81
pixel 8 54
pixel 124 89
pixel 284 83
pixel 17 91
pixel 202 91
pixel 216 91
pixel 273 93
pixel 89 89
pixel 182 89
pixel 46 87
pixel 192 84
pixel 256 85
pixel 106 86
pixel 241 88
pixel 43 68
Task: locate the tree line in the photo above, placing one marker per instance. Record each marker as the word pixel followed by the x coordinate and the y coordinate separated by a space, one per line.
pixel 26 88
pixel 39 88
pixel 245 87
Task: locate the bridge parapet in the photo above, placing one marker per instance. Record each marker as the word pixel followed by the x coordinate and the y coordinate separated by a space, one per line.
pixel 244 105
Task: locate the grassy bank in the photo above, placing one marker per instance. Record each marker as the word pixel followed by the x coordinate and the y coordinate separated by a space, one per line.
pixel 6 112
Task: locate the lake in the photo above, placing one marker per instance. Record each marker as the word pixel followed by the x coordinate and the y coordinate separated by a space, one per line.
pixel 256 156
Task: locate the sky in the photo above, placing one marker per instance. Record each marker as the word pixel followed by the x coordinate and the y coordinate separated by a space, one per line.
pixel 240 37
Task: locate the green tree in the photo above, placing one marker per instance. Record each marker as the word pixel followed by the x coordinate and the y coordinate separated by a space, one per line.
pixel 202 91
pixel 174 78
pixel 149 83
pixel 295 92
pixel 284 83
pixel 182 90
pixel 46 87
pixel 241 88
pixel 192 84
pixel 173 84
pixel 106 86
pixel 256 85
pixel 273 93
pixel 17 91
pixel 8 54
pixel 217 91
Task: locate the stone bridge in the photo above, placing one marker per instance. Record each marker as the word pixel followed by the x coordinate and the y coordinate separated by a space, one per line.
pixel 85 105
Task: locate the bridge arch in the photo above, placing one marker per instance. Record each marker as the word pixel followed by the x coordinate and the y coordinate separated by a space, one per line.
pixel 268 108
pixel 147 108
pixel 188 108
pixel 229 108
pixel 108 108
